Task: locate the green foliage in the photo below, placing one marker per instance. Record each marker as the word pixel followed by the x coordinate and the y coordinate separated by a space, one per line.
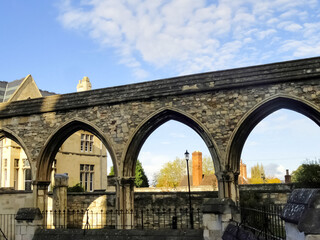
pixel 257 171
pixel 171 173
pixel 307 175
pixel 250 199
pixel 76 188
pixel 207 165
pixel 141 179
pixel 111 171
pixel 257 174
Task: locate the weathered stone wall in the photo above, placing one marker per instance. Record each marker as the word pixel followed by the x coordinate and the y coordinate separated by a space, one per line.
pixel 11 201
pixel 102 234
pixel 218 101
pixel 277 193
pixel 97 201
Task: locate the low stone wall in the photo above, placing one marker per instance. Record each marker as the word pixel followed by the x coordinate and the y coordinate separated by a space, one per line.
pixel 276 193
pixel 12 200
pixel 97 234
pixel 97 201
pixel 147 198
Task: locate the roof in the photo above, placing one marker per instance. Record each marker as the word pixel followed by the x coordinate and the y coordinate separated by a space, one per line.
pixel 207 180
pixel 7 89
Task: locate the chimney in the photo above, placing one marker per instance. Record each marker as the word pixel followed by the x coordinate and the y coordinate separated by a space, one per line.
pixel 196 168
pixel 243 169
pixel 287 177
pixel 84 85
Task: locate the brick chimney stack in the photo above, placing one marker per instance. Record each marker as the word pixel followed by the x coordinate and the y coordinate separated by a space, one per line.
pixel 196 168
pixel 287 177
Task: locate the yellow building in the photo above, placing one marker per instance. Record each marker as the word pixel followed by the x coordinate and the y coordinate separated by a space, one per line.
pixel 82 155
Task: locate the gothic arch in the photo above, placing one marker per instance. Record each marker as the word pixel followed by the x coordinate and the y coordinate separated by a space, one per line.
pixel 57 138
pixel 154 121
pixel 7 133
pixel 258 113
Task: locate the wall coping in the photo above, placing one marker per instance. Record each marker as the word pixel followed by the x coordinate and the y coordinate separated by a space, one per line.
pixel 274 73
pixel 2 191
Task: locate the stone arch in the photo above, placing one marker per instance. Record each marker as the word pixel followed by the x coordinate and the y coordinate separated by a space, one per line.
pixel 154 121
pixel 57 138
pixel 258 113
pixel 7 133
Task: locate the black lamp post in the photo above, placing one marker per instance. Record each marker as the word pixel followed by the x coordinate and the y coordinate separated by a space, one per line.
pixel 190 207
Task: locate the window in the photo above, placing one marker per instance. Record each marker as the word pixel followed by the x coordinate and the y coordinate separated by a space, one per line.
pixel 87 177
pixel 86 143
pixel 16 174
pixel 27 175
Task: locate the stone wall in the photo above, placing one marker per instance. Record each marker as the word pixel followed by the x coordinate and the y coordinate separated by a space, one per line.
pixel 97 201
pixel 276 193
pixel 159 197
pixel 11 201
pixel 97 234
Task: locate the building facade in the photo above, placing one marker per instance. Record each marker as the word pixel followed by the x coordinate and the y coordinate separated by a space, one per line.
pixel 82 155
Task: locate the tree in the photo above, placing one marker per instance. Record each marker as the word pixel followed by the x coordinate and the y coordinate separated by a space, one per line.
pixel 111 171
pixel 307 174
pixel 207 166
pixel 141 180
pixel 257 174
pixel 171 173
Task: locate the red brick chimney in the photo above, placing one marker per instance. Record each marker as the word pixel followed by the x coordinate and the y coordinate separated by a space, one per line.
pixel 196 168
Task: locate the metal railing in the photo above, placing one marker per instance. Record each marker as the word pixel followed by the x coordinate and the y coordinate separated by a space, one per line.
pixel 7 226
pixel 137 219
pixel 264 221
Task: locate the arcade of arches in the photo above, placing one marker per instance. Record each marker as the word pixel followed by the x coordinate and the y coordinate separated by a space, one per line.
pixel 222 107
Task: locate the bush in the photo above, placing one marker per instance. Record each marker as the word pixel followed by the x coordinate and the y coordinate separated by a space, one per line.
pixel 76 188
pixel 307 175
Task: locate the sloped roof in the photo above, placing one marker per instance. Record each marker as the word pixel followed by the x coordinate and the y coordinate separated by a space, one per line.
pixel 207 180
pixel 7 89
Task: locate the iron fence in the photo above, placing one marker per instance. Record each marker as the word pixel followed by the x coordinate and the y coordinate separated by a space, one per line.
pixel 7 226
pixel 264 221
pixel 137 219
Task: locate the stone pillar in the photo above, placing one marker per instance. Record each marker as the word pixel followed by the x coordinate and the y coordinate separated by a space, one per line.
pixel 40 191
pixel 125 202
pixel 302 215
pixel 28 220
pixel 60 200
pixel 217 214
pixel 228 185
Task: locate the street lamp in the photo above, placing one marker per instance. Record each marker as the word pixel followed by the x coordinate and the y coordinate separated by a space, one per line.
pixel 190 207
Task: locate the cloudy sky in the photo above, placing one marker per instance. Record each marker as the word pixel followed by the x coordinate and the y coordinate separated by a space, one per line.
pixel 116 42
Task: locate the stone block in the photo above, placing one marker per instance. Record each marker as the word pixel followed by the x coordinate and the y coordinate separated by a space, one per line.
pixel 61 180
pixel 303 210
pixel 23 230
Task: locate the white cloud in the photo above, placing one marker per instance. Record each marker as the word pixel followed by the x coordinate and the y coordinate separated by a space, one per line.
pixel 152 163
pixel 186 36
pixel 275 170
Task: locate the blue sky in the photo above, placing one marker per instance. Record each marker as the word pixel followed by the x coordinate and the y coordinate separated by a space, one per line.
pixel 120 42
